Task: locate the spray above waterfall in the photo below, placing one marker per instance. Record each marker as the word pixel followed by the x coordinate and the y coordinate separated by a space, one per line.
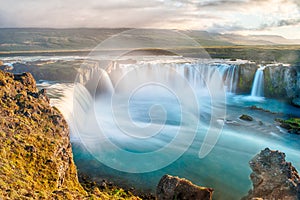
pixel 121 108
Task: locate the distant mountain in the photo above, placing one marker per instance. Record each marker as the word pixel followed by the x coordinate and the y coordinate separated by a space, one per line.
pixel 211 39
pixel 37 39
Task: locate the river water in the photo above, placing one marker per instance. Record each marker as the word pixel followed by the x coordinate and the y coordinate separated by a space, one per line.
pixel 154 118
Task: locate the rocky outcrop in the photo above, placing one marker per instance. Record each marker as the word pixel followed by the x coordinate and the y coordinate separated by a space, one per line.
pixel 292 125
pixel 273 177
pixel 281 81
pixel 170 187
pixel 246 76
pixel 246 118
pixel 36 160
pixel 36 157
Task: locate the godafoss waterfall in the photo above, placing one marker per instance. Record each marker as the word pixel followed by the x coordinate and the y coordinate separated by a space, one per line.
pixel 136 117
pixel 166 115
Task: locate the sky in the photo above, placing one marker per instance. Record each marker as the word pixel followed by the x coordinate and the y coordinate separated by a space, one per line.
pixel 268 17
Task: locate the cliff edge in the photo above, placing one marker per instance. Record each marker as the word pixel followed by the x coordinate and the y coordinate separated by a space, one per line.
pixel 36 160
pixel 35 154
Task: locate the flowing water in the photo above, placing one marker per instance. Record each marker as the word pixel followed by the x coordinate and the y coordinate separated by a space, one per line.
pixel 258 83
pixel 139 109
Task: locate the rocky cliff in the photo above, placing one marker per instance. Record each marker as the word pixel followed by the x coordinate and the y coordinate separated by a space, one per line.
pixel 246 74
pixel 281 81
pixel 36 160
pixel 273 177
pixel 36 156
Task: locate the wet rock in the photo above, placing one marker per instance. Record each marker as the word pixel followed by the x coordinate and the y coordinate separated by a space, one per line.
pixel 246 118
pixel 246 75
pixel 280 81
pixel 261 109
pixel 170 187
pixel 296 102
pixel 273 177
pixel 291 125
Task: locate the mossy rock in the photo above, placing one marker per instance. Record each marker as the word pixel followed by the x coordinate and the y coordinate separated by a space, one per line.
pixel 36 160
pixel 292 125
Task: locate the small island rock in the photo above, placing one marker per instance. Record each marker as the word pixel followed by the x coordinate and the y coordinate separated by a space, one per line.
pixel 170 187
pixel 246 118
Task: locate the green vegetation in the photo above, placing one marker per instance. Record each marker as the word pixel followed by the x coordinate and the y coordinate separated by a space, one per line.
pixel 26 41
pixel 292 125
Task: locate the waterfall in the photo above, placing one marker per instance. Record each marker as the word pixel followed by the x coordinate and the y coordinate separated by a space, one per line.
pixel 199 75
pixel 258 83
pixel 91 74
pixel 230 76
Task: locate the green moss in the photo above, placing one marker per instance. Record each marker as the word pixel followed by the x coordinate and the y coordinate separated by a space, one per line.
pixel 292 125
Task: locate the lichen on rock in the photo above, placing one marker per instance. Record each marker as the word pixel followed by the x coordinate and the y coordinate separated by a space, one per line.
pixel 36 160
pixel 273 177
pixel 36 157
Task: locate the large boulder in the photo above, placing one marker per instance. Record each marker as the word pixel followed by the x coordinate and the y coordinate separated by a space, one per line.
pixel 170 188
pixel 273 177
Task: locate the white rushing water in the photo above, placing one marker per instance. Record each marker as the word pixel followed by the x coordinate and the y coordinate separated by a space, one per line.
pixel 156 116
pixel 258 83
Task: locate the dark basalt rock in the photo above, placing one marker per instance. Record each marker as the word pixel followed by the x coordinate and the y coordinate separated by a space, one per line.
pixel 170 187
pixel 296 102
pixel 273 177
pixel 246 118
pixel 291 125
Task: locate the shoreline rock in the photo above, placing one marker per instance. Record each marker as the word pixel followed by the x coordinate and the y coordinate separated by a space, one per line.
pixel 36 158
pixel 170 187
pixel 292 125
pixel 273 177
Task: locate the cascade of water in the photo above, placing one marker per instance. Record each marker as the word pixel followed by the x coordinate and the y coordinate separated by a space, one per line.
pixel 198 75
pixel 258 83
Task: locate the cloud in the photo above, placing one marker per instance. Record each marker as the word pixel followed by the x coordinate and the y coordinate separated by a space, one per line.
pixel 213 15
